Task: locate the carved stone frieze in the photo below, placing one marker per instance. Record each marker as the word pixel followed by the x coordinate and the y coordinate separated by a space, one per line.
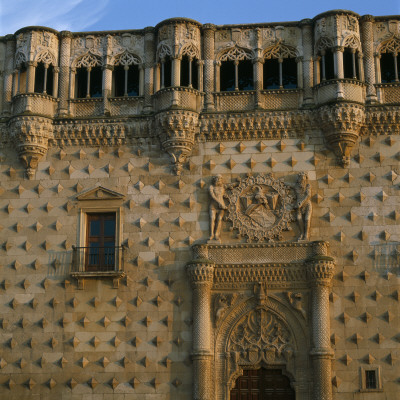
pixel 260 207
pixel 177 130
pixel 250 126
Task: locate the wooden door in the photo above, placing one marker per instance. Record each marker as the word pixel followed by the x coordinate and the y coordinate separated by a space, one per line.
pixel 262 384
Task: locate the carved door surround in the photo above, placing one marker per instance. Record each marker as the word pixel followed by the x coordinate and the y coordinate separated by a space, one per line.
pixel 261 305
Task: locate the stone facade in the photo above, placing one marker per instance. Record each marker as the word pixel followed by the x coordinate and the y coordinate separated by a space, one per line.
pixel 294 164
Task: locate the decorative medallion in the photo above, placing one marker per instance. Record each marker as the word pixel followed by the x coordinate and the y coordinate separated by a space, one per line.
pixel 260 207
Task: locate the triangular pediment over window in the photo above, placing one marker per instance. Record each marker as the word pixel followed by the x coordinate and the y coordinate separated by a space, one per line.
pixel 100 193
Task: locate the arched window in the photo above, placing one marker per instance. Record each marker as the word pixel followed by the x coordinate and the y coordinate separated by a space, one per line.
pixel 350 64
pixel 165 66
pixel 126 76
pixel 44 78
pixel 325 59
pixel 89 77
pixel 236 70
pixel 351 57
pixel 280 68
pixel 390 61
pixel 44 73
pixel 190 67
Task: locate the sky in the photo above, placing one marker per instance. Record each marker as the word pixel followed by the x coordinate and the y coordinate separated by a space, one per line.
pixel 96 15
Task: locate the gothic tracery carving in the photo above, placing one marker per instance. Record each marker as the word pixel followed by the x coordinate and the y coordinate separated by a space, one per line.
pixel 260 336
pixel 236 54
pixel 46 57
pixel 126 58
pixel 88 61
pixel 280 51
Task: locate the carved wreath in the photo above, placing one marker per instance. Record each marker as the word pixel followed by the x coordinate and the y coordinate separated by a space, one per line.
pixel 260 207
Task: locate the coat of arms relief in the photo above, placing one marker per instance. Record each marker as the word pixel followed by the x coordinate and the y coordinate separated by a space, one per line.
pixel 261 207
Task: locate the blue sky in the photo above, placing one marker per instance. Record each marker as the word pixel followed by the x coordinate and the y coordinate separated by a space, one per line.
pixel 85 15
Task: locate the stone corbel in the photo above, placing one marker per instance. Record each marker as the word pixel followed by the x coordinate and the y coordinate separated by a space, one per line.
pixel 30 155
pixel 31 139
pixel 341 125
pixel 177 129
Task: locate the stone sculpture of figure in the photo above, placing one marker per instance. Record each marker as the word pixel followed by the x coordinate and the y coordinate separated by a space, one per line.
pixel 303 206
pixel 217 206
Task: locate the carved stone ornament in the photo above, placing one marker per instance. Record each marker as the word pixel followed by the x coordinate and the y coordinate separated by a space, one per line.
pixel 177 129
pixel 260 207
pixel 260 336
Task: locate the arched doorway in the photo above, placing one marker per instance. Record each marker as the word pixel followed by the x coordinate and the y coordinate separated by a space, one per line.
pixel 262 384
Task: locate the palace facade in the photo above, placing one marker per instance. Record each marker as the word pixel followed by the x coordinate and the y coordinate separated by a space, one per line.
pixel 198 211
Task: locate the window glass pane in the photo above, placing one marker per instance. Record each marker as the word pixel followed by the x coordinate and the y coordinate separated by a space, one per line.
pixel 348 64
pixel 370 379
pixel 96 77
pixel 81 82
pixel 133 80
pixel 49 83
pixel 167 72
pixel 271 74
pixel 39 78
pixel 185 71
pixel 195 83
pixel 387 68
pixel 109 227
pixel 94 228
pixel 329 65
pixel 119 81
pixel 289 73
pixel 227 76
pixel 246 75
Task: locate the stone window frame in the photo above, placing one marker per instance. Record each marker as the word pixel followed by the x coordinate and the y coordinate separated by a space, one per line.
pixel 99 200
pixel 378 376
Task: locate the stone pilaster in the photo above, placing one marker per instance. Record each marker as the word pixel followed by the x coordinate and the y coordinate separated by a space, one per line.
pixel 338 59
pixel 367 40
pixel 208 51
pixel 8 73
pixel 64 81
pixel 320 273
pixel 176 71
pixel 201 277
pixel 107 83
pixel 30 77
pixel 307 61
pixel 56 72
pixel 149 70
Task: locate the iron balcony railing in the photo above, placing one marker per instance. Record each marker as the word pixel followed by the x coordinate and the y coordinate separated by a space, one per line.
pixel 98 259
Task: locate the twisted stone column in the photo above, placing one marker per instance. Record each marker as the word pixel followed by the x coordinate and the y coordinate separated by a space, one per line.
pixel 208 51
pixel 307 61
pixel 201 276
pixel 8 73
pixel 149 74
pixel 320 273
pixel 367 40
pixel 64 81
